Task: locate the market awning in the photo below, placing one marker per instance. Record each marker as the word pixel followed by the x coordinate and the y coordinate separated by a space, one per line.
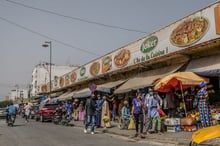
pixel 208 66
pixel 146 79
pixel 82 93
pixel 65 96
pixel 108 86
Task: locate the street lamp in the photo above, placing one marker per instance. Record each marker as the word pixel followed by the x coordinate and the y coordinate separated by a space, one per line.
pixel 47 44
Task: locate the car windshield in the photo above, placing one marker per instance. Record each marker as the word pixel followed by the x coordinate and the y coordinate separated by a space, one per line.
pixel 35 107
pixel 50 106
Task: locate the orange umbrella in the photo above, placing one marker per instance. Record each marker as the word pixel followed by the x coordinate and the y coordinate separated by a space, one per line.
pixel 178 81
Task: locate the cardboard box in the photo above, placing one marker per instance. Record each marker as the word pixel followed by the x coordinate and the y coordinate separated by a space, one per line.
pixel 172 121
pixel 176 128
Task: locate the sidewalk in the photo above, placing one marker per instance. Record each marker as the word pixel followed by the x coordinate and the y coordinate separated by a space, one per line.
pixel 169 138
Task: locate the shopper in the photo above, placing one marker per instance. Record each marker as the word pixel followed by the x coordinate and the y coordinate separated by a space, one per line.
pixel 203 105
pixel 105 123
pixel 125 115
pixel 138 114
pixel 170 99
pixel 90 114
pixel 27 110
pixel 154 104
pixel 98 111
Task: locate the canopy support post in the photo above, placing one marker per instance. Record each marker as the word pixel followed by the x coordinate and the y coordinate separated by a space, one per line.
pixel 181 87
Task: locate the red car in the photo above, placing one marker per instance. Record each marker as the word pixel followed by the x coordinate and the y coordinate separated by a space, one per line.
pixel 45 113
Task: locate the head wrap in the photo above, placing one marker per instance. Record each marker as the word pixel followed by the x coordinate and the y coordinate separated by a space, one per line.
pixel 203 84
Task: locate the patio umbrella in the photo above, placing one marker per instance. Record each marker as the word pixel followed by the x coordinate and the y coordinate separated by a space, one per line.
pixel 178 81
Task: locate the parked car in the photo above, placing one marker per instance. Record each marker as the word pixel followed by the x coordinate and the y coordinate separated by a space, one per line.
pixel 3 113
pixel 45 113
pixel 209 136
pixel 34 108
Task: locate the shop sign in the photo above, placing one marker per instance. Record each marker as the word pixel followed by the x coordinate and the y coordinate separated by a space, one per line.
pixel 149 44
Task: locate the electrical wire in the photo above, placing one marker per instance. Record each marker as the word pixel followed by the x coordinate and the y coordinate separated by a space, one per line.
pixel 47 37
pixel 76 18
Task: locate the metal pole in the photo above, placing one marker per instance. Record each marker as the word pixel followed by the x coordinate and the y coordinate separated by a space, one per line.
pixel 50 68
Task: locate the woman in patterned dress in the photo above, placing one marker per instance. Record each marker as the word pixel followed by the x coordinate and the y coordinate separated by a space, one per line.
pixel 203 105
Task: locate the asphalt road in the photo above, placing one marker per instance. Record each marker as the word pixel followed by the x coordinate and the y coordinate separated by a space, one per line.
pixel 48 134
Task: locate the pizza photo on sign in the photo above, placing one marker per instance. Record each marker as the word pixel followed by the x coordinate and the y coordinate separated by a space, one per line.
pixel 122 57
pixel 106 63
pixel 73 77
pixel 94 68
pixel 61 81
pixel 189 32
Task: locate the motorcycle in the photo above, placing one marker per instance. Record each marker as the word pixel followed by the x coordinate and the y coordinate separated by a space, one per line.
pixel 57 116
pixel 11 120
pixel 66 119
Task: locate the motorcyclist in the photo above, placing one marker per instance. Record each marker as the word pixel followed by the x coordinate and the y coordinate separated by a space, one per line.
pixel 69 109
pixel 12 111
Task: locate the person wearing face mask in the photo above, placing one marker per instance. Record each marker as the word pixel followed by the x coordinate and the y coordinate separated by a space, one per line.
pixel 137 114
pixel 99 102
pixel 154 104
pixel 148 120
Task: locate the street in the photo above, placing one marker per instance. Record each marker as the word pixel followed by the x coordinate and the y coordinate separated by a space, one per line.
pixel 48 134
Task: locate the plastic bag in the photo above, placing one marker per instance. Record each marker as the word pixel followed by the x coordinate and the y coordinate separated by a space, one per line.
pixel 131 125
pixel 161 112
pixel 105 119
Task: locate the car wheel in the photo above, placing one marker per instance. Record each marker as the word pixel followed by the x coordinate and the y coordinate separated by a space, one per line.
pixel 193 144
pixel 41 118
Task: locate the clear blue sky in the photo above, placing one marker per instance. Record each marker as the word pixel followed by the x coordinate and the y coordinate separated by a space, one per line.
pixel 80 30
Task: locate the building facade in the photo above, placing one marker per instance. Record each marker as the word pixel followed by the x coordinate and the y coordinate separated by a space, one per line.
pixel 18 94
pixel 41 75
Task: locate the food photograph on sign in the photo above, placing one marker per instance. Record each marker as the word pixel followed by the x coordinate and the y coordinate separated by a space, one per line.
pixel 73 77
pixel 67 80
pixel 94 68
pixel 189 31
pixel 106 63
pixel 122 57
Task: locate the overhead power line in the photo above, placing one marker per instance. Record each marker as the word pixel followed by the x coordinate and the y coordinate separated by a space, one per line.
pixel 76 18
pixel 48 37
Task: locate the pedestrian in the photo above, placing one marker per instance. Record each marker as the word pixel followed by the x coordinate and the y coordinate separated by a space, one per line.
pixel 90 108
pixel 114 110
pixel 148 119
pixel 98 111
pixel 138 114
pixel 27 110
pixel 125 115
pixel 154 104
pixel 81 111
pixel 203 105
pixel 170 99
pixel 105 114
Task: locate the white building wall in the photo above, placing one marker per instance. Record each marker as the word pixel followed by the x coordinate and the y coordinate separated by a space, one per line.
pixel 41 75
pixel 18 94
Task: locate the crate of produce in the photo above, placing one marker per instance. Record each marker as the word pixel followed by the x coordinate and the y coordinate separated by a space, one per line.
pixel 189 128
pixel 188 121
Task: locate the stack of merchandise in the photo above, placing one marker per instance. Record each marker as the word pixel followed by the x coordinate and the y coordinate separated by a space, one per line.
pixel 188 124
pixel 172 124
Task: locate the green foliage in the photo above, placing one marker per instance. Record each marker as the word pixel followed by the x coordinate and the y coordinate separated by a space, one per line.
pixel 5 103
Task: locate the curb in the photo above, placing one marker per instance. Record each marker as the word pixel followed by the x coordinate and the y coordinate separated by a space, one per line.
pixel 150 140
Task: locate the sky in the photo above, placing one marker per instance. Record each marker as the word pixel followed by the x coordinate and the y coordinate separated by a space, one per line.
pixel 80 31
